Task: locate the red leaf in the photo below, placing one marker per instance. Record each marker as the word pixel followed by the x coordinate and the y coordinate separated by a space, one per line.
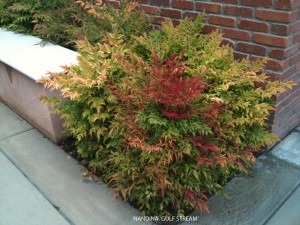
pixel 209 147
pixel 204 161
pixel 199 142
pixel 169 87
pixel 174 115
pixel 189 195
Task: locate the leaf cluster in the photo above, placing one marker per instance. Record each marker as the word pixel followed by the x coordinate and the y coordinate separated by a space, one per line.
pixel 168 116
pixel 21 16
pixel 89 107
pixel 64 22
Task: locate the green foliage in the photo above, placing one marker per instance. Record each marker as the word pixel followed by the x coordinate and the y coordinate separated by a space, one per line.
pixel 64 22
pixel 21 16
pixel 167 117
pixel 90 107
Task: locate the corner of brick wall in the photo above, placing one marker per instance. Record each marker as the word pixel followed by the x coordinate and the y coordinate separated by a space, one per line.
pixel 256 28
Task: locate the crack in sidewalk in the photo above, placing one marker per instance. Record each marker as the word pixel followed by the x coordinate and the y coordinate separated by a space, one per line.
pixel 15 134
pixel 31 181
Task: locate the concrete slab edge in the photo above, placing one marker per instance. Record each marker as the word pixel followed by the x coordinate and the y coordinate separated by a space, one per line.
pixel 37 187
pixel 284 160
pixel 286 197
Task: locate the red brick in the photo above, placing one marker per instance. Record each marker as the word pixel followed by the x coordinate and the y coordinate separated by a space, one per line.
pixel 208 7
pixel 295 59
pixel 171 13
pixel 278 16
pixel 284 129
pixel 290 95
pixel 287 121
pixel 253 25
pixel 143 1
pixel 221 20
pixel 274 76
pixel 160 2
pixel 277 65
pixel 277 53
pixel 294 107
pixel 227 1
pixel 286 30
pixel 286 4
pixel 272 40
pixel 281 29
pixel 113 3
pixel 157 20
pixel 236 34
pixel 192 15
pixel 298 66
pixel 251 48
pixel 175 22
pixel 295 27
pixel 181 4
pixel 287 74
pixel 296 38
pixel 227 42
pixel 239 56
pixel 295 76
pixel 287 98
pixel 238 11
pixel 152 10
pixel 283 100
pixel 296 14
pixel 283 53
pixel 264 3
pixel 207 29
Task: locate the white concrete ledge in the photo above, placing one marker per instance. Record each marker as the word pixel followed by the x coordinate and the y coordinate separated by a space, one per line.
pixel 23 61
pixel 25 54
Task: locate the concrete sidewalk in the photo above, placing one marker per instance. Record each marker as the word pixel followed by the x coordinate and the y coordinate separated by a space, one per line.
pixel 41 185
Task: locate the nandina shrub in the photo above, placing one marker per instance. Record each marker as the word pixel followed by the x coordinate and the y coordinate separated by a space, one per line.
pixel 92 20
pixel 21 16
pixel 65 25
pixel 167 117
pixel 64 22
pixel 191 119
pixel 89 106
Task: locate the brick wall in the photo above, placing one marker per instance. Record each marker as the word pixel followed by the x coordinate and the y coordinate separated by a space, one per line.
pixel 252 27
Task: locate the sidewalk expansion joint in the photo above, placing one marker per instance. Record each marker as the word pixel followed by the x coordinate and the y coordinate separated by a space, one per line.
pixel 285 161
pixel 282 203
pixel 35 185
pixel 12 135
